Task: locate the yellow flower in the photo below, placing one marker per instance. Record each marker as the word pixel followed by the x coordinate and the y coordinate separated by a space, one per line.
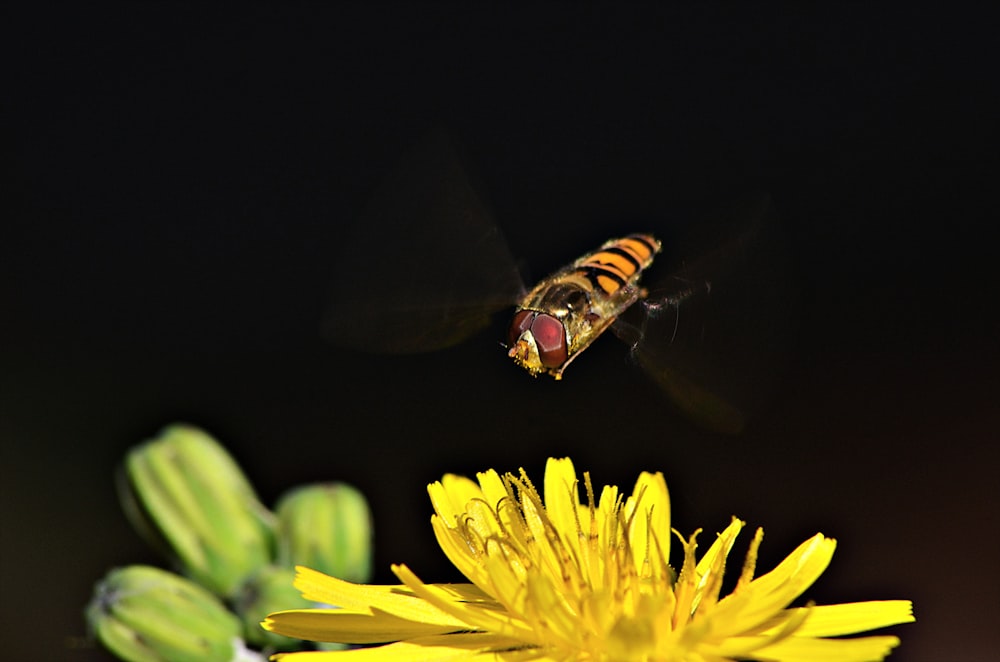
pixel 557 579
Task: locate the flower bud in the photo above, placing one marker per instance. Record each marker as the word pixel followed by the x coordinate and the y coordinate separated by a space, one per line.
pixel 186 492
pixel 326 527
pixel 272 589
pixel 145 614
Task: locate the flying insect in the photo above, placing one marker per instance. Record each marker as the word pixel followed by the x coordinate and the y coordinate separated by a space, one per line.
pixel 427 268
pixel 566 312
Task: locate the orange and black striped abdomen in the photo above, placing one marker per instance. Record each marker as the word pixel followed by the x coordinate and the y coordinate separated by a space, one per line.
pixel 618 261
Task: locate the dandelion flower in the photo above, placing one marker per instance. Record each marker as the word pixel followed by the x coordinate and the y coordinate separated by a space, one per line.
pixel 561 579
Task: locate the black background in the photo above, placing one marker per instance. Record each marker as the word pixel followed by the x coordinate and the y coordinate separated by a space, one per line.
pixel 178 182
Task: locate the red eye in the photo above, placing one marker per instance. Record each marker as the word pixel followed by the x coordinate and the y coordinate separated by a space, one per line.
pixel 521 323
pixel 550 337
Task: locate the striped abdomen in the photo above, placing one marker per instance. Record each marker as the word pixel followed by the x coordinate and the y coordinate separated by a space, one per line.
pixel 616 262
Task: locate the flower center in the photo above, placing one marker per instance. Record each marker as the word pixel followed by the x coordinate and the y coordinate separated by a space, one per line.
pixel 576 577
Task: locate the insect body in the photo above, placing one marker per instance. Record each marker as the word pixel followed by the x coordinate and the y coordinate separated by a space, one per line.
pixel 562 315
pixel 708 332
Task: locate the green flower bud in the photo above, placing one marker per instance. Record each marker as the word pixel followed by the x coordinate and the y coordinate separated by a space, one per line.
pixel 186 492
pixel 145 614
pixel 271 590
pixel 327 527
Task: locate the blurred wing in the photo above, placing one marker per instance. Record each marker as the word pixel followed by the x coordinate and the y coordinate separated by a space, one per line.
pixel 425 266
pixel 712 333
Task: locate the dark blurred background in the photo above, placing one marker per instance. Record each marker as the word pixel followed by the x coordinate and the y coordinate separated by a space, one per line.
pixel 178 183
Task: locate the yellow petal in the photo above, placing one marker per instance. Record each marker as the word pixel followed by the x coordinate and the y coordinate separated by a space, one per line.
pixel 450 495
pixel 547 551
pixel 481 614
pixel 457 549
pixel 492 487
pixel 715 557
pixel 548 605
pixel 766 596
pixel 785 625
pixel 799 569
pixel 562 494
pixel 854 617
pixel 351 627
pixel 480 519
pixel 507 578
pixel 608 523
pixel 712 566
pixel 650 527
pixel 443 648
pixel 397 600
pixel 807 649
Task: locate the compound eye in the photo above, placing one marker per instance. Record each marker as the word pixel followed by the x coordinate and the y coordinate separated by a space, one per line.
pixel 521 323
pixel 550 338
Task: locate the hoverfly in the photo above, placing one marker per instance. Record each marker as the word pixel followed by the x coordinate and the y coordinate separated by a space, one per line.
pixel 442 270
pixel 566 312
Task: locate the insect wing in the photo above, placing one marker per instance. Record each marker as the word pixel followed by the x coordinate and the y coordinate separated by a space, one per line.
pixel 425 266
pixel 713 332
